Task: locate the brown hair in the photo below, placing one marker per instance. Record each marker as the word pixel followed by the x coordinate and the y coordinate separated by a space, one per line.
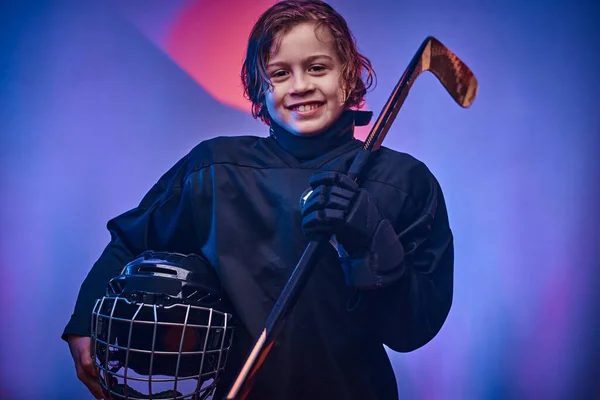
pixel 279 19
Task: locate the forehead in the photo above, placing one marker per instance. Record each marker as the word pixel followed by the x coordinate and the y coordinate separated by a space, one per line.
pixel 301 41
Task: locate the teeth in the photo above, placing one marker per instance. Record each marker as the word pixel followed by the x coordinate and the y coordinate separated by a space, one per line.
pixel 306 107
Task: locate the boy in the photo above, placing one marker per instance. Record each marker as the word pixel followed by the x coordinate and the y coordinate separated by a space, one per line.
pixel 236 201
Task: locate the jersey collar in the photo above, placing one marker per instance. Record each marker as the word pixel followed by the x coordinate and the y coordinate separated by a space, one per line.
pixel 306 148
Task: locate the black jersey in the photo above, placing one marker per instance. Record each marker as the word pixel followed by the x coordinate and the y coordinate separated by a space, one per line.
pixel 235 200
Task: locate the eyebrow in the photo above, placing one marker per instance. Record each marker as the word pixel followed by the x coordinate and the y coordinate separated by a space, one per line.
pixel 306 60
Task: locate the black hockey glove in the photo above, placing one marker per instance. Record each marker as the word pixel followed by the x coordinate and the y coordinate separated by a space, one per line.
pixel 369 249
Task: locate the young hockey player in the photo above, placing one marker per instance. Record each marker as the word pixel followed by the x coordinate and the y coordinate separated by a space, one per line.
pixel 236 201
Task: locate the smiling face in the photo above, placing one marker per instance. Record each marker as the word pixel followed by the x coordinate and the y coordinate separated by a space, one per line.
pixel 304 69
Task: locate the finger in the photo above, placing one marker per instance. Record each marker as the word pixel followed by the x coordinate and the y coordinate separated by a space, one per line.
pixel 325 190
pixel 324 220
pixel 91 382
pixel 341 192
pixel 334 204
pixel 324 178
pixel 327 198
pixel 331 178
pixel 90 373
pixel 347 183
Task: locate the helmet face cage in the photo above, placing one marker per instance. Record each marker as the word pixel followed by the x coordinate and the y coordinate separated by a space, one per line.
pixel 160 345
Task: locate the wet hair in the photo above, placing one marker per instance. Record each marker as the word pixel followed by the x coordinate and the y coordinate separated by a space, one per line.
pixel 280 19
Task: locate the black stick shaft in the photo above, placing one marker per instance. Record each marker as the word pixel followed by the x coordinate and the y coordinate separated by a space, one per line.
pixel 300 275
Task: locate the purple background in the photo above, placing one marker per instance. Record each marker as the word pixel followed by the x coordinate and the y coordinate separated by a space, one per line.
pixel 93 110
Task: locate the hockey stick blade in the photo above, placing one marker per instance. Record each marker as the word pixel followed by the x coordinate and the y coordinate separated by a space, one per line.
pixel 460 82
pixel 451 71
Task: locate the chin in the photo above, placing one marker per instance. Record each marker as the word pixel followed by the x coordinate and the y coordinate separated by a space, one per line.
pixel 311 128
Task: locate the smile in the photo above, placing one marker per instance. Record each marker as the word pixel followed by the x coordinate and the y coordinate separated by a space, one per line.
pixel 306 107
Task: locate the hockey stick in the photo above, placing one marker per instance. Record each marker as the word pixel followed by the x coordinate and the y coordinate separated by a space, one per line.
pixel 460 82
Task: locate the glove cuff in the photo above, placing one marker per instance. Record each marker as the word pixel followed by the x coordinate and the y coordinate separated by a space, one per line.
pixel 382 265
pixel 361 224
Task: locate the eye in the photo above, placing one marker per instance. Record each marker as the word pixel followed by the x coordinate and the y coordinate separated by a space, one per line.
pixel 317 68
pixel 279 74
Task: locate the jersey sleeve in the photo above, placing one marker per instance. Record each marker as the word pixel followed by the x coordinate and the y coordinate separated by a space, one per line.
pixel 411 311
pixel 162 222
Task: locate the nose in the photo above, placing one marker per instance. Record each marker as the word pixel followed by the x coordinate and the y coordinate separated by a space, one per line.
pixel 301 84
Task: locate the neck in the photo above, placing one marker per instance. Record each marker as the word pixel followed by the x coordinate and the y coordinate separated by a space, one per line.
pixel 310 147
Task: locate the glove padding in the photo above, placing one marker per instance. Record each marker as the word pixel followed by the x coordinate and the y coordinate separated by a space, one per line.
pixel 370 253
pixel 338 206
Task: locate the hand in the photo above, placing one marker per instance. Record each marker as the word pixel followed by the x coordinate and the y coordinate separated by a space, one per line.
pixel 338 206
pixel 86 370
